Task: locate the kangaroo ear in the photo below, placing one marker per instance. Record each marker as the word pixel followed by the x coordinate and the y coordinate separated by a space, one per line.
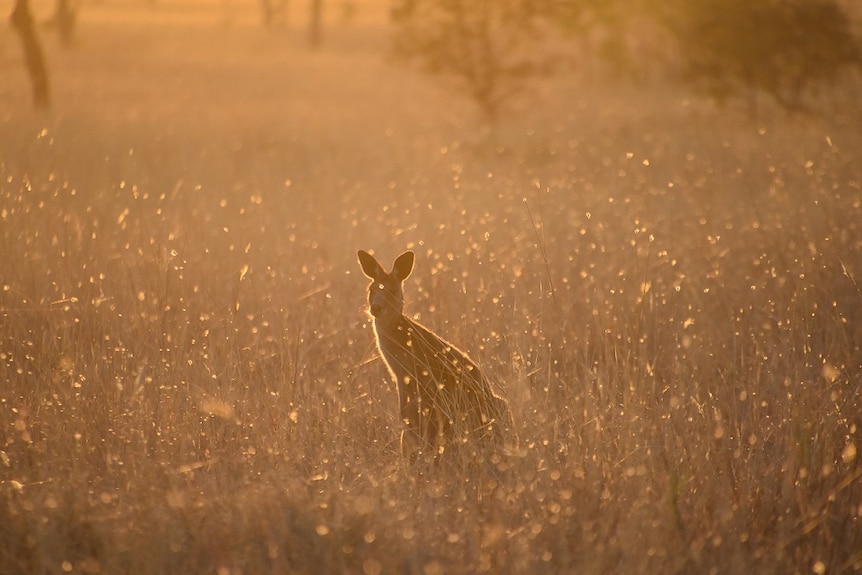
pixel 403 266
pixel 370 267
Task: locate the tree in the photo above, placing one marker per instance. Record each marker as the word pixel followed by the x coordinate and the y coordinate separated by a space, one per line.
pixel 315 35
pixel 785 49
pixel 491 48
pixel 22 22
pixel 272 11
pixel 65 17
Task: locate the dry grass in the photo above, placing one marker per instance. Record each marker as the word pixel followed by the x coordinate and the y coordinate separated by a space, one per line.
pixel 186 373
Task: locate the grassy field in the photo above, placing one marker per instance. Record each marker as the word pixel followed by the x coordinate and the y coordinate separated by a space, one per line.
pixel 667 293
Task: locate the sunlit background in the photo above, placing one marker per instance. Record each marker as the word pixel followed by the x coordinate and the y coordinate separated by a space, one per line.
pixel 642 219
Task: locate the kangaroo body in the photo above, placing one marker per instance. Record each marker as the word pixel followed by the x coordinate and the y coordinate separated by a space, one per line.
pixel 446 403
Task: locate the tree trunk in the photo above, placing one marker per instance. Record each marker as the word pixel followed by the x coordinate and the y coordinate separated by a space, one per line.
pixel 22 21
pixel 65 18
pixel 315 36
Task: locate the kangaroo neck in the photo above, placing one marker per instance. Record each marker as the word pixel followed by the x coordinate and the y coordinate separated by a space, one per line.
pixel 390 322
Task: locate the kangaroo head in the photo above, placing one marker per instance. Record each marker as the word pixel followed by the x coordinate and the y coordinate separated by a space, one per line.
pixel 385 294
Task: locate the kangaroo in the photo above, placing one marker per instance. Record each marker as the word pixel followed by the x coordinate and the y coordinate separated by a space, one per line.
pixel 446 403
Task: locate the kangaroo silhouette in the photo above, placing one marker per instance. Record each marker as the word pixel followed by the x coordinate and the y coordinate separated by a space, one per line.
pixel 446 403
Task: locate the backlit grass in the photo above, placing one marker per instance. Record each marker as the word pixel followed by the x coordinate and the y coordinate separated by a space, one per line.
pixel 667 295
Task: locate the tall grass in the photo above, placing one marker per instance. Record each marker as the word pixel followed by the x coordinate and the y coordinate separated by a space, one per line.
pixel 188 382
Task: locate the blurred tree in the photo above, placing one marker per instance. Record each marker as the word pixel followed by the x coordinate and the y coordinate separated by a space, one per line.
pixel 22 22
pixel 65 18
pixel 490 47
pixel 315 35
pixel 273 11
pixel 785 49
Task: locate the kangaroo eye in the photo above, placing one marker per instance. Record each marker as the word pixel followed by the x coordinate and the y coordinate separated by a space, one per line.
pixel 380 286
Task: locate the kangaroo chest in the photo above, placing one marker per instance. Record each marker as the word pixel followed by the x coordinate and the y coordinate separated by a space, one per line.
pixel 413 353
